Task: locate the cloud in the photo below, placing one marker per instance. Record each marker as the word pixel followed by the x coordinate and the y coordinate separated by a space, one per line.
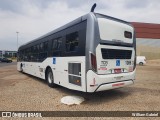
pixel 9 5
pixel 131 4
pixel 34 18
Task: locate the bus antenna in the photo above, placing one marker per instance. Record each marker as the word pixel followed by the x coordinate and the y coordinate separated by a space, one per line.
pixel 93 7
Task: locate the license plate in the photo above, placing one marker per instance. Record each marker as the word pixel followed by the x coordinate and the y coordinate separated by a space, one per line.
pixel 117 70
pixel 117 84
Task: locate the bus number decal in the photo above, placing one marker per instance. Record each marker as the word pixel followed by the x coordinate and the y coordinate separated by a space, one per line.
pixel 128 62
pixel 54 60
pixel 104 63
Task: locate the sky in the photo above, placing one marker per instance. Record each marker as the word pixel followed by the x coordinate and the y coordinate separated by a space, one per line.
pixel 34 18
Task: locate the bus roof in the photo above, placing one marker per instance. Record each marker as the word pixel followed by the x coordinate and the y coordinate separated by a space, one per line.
pixel 76 21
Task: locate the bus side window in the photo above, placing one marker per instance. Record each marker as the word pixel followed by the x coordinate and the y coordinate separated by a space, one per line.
pixel 43 51
pixel 72 41
pixel 59 43
pixel 46 46
pixel 41 47
pixel 56 46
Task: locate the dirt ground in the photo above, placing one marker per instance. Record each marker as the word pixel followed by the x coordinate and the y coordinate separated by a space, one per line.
pixel 22 92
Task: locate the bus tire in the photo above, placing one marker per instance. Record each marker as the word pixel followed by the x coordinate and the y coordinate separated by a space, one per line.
pixel 50 78
pixel 21 67
pixel 141 63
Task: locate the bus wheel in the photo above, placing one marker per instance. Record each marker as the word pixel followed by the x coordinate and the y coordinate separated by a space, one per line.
pixel 141 63
pixel 21 68
pixel 50 79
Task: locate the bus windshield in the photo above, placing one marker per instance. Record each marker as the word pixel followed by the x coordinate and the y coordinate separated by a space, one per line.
pixel 115 31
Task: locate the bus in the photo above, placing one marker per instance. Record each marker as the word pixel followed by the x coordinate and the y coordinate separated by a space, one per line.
pixel 92 53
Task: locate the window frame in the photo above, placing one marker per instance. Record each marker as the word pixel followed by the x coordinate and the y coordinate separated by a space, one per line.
pixel 70 42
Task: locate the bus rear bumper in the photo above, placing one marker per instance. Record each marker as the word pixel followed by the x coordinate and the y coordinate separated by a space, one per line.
pixel 114 85
pixel 97 83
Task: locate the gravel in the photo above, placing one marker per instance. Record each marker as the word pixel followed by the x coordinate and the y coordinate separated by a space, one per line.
pixel 22 92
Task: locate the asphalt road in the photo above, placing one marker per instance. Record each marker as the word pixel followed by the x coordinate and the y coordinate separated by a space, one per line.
pixel 2 64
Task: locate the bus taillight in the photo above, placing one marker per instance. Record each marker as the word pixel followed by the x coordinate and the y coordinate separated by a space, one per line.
pixel 93 62
pixel 117 71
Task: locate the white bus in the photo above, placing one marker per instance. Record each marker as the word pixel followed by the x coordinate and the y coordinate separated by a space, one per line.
pixel 93 53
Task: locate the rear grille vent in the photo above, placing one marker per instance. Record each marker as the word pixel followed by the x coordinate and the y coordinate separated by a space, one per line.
pixel 116 54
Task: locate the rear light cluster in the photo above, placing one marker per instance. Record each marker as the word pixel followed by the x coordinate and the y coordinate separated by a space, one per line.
pixel 117 70
pixel 94 62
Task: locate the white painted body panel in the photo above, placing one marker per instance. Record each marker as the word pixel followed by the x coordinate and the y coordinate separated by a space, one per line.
pixel 113 30
pixel 108 80
pixel 60 70
pixel 61 76
pixel 111 63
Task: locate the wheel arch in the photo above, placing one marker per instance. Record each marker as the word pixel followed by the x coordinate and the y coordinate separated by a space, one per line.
pixel 21 67
pixel 47 68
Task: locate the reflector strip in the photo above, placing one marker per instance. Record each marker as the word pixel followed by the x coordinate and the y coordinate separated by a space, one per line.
pixel 117 84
